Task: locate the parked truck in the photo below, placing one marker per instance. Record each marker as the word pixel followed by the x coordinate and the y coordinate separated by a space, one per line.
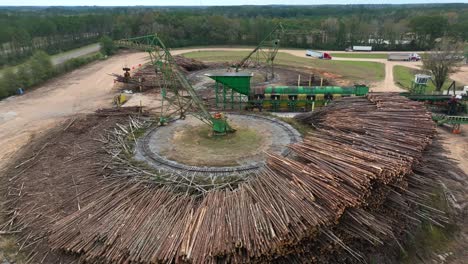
pixel 463 92
pixel 404 57
pixel 318 54
pixel 360 48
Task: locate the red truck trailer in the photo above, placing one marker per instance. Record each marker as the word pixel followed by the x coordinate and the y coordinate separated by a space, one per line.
pixel 318 54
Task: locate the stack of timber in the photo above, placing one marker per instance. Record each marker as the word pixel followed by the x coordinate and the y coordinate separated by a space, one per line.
pixel 350 182
pixel 145 77
pixel 188 64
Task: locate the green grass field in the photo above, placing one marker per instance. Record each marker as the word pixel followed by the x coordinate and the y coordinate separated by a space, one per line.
pixel 403 77
pixel 360 71
pixel 360 55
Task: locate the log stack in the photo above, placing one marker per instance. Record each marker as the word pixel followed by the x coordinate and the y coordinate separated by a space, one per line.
pixel 337 191
pixel 188 64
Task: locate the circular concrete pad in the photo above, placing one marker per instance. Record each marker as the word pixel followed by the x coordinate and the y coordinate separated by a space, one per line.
pixel 186 146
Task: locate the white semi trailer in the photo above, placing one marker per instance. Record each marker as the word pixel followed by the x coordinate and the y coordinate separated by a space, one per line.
pixel 360 48
pixel 404 57
pixel 318 54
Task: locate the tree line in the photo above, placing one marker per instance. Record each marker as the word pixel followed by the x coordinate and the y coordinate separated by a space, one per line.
pixel 24 33
pixel 386 27
pixel 37 70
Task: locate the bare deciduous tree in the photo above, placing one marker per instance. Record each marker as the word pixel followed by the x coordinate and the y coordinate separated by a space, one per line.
pixel 443 60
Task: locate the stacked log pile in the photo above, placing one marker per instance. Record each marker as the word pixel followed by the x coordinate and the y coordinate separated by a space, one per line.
pixel 145 77
pixel 358 165
pixel 189 64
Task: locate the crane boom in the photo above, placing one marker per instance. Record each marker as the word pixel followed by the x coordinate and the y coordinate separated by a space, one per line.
pixel 266 49
pixel 165 64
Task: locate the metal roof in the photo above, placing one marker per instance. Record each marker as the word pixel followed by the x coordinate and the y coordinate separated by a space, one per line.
pixel 230 74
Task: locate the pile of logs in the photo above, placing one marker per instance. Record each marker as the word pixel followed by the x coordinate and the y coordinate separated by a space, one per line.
pixel 145 77
pixel 357 143
pixel 362 164
pixel 189 64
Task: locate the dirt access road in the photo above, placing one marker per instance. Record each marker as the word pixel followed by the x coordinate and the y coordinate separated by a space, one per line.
pixel 81 91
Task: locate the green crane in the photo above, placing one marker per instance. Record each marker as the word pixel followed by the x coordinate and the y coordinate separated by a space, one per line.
pixel 175 88
pixel 265 51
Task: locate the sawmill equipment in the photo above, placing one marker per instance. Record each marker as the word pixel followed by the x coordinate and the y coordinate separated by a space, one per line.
pixel 454 121
pixel 419 85
pixel 126 74
pixel 265 52
pixel 436 102
pixel 233 91
pixel 300 98
pixel 177 94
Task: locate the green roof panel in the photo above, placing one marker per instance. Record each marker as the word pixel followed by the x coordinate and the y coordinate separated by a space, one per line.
pixel 238 81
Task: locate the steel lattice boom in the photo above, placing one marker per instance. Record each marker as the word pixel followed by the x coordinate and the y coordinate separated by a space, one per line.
pixel 265 52
pixel 175 88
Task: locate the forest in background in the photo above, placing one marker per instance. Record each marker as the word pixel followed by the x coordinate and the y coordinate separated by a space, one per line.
pixel 333 27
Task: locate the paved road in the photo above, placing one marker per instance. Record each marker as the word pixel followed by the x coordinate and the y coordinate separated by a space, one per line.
pixel 62 57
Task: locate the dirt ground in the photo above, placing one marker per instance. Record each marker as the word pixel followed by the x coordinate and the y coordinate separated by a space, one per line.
pixel 81 91
pixel 461 77
pixel 457 145
pixel 190 142
pixel 193 145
